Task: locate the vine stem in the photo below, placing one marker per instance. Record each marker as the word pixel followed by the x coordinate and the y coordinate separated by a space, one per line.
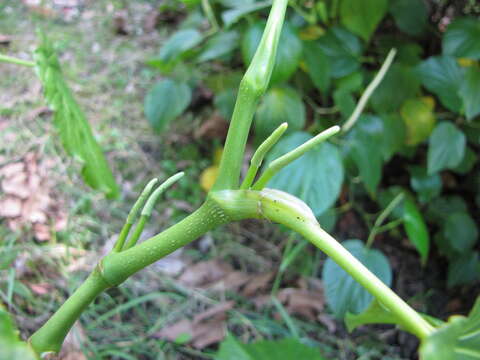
pixel 381 218
pixel 17 61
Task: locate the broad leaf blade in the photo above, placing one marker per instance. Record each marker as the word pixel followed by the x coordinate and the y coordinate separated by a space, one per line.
pixel 362 17
pixel 342 292
pixel 416 228
pixel 70 121
pixel 470 92
pixel 11 347
pixel 446 147
pixel 461 38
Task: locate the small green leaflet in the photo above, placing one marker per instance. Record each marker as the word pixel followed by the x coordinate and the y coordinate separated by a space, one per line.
pixel 426 186
pixel 166 100
pixel 470 92
pixel 12 348
pixel 318 65
pixel 234 14
pixel 446 147
pixel 458 339
pixel 463 270
pixel 70 121
pixel 232 349
pixel 460 231
pixel 461 38
pixel 416 228
pixel 342 292
pixel 219 45
pixel 411 16
pixel 362 17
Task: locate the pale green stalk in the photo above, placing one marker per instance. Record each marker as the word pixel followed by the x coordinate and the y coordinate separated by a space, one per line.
pixel 381 218
pixel 369 91
pixel 16 61
pixel 259 155
pixel 276 165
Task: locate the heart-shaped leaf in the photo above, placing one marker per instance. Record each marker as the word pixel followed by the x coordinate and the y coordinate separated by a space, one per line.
pixel 362 17
pixel 446 147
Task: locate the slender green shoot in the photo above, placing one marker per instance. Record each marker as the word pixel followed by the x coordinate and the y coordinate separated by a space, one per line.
pixel 148 208
pixel 16 61
pixel 259 155
pixel 369 91
pixel 132 215
pixel 381 218
pixel 278 164
pixel 207 9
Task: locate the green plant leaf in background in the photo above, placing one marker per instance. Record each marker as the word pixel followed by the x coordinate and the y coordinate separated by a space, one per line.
pixel 318 174
pixel 242 8
pixel 464 269
pixel 442 76
pixel 459 339
pixel 344 102
pixel 343 49
pixel 467 163
pixel 224 102
pixel 394 134
pixel 419 119
pixel 288 55
pixel 461 38
pixel 318 65
pixel 460 231
pixel 11 347
pixel 470 92
pixel 364 146
pixel 426 186
pixel 446 147
pixel 70 121
pixel 221 44
pixel 400 83
pixel 232 349
pixel 279 105
pixel 175 47
pixel 362 17
pixel 416 228
pixel 343 294
pixel 411 16
pixel 166 100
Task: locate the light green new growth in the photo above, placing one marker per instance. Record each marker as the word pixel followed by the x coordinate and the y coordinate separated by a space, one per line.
pixel 369 91
pixel 16 61
pixel 148 208
pixel 276 165
pixel 259 155
pixel 381 218
pixel 133 214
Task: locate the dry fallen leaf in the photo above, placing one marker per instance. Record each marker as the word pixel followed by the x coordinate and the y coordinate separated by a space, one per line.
pixel 302 302
pixel 257 283
pixel 205 273
pixel 205 329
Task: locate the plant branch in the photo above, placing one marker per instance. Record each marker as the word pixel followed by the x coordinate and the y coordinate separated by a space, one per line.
pixel 369 91
pixel 16 61
pixel 252 87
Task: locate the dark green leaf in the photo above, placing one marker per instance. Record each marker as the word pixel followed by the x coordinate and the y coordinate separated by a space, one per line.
pixel 166 100
pixel 416 228
pixel 225 102
pixel 364 146
pixel 177 45
pixel 400 83
pixel 409 15
pixel 279 105
pixel 234 14
pixel 464 270
pixel 394 134
pixel 288 54
pixel 442 76
pixel 362 17
pixel 318 174
pixel 446 147
pixel 328 219
pixel 343 49
pixel 219 45
pixel 470 92
pixel 70 122
pixel 426 186
pixel 344 101
pixel 459 339
pixel 467 163
pixel 232 349
pixel 318 65
pixel 461 38
pixel 419 120
pixel 352 82
pixel 460 231
pixel 342 292
pixel 440 208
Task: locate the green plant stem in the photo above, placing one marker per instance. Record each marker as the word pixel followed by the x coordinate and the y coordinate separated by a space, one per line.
pixel 207 9
pixel 252 87
pixel 283 208
pixel 12 60
pixel 278 164
pixel 381 218
pixel 259 155
pixel 369 91
pixel 50 336
pixel 137 232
